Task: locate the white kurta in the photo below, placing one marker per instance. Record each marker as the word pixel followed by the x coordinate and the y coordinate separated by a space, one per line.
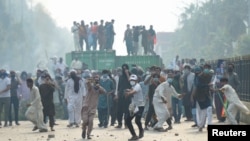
pixel 75 31
pixel 234 103
pixel 165 91
pixel 74 100
pixel 34 112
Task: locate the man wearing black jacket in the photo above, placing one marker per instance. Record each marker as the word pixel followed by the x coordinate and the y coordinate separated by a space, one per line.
pixel 123 103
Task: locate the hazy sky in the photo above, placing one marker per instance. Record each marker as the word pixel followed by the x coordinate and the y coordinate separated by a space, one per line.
pixel 162 14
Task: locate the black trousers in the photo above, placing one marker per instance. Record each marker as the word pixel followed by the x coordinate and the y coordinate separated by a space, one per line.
pixel 151 112
pixel 51 120
pixel 122 109
pixel 15 101
pixel 113 111
pixel 137 116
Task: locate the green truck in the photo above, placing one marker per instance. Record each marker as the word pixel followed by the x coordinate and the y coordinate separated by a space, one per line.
pixel 99 60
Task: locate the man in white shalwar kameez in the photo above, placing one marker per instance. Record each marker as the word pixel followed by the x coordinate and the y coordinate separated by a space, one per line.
pixel 75 31
pixel 74 92
pixel 34 112
pixel 234 103
pixel 161 100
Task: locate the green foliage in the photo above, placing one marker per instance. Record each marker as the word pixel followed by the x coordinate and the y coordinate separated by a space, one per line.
pixel 207 30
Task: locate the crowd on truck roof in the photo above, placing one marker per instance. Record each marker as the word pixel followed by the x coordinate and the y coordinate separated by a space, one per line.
pixel 100 36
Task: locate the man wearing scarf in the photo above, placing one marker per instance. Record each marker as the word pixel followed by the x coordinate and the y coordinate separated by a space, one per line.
pixel 74 92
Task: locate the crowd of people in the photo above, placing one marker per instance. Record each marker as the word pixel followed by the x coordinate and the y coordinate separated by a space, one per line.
pixel 185 89
pixel 101 35
pixel 93 35
pixel 139 36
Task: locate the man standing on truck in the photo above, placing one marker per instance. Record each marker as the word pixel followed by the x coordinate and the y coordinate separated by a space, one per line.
pixel 151 40
pixel 75 31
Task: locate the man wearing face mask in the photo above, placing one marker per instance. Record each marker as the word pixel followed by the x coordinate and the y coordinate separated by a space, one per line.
pixel 162 104
pixel 188 80
pixel 176 102
pixel 104 100
pixel 123 102
pixel 14 99
pixel 233 80
pixel 74 93
pixel 153 70
pixel 170 81
pixel 136 107
pixel 202 96
pixel 4 96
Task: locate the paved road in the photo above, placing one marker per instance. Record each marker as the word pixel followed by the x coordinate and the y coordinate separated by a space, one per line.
pixel 23 133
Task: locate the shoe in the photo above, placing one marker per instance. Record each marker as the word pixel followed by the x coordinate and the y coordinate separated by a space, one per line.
pixel 195 125
pixel 160 129
pixel 70 125
pixel 200 129
pixel 56 124
pixel 118 126
pixel 100 125
pixel 169 128
pixel 89 138
pixel 77 125
pixel 146 128
pixel 134 138
pixel 105 126
pixel 35 128
pixel 43 130
pixel 126 127
pixel 52 129
pixel 5 125
pixel 177 122
pixel 17 123
pixel 141 134
pixel 83 134
pixel 112 124
pixel 10 124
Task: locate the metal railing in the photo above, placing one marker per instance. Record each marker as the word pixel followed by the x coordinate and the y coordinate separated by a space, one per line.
pixel 242 68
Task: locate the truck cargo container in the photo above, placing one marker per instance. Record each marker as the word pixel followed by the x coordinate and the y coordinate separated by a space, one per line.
pixel 99 60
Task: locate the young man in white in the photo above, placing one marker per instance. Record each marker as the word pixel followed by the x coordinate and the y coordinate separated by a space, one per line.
pixel 136 107
pixel 161 102
pixel 234 103
pixel 34 112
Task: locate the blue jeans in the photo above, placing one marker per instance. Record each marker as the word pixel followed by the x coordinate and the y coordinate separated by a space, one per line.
pixel 177 109
pixel 194 115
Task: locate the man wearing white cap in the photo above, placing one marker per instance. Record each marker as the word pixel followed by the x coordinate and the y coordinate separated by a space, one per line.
pixel 136 107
